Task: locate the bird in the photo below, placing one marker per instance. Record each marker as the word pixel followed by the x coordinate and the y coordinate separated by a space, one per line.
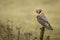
pixel 42 19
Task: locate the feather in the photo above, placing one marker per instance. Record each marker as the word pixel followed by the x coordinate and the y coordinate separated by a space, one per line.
pixel 44 22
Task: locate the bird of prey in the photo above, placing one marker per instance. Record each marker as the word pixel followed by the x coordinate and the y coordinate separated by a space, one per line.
pixel 41 18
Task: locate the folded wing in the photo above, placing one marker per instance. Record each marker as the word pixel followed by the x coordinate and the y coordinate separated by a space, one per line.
pixel 44 22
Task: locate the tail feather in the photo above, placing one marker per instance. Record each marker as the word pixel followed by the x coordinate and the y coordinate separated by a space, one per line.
pixel 50 27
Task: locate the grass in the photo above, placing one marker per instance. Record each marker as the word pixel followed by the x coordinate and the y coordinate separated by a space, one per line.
pixel 23 14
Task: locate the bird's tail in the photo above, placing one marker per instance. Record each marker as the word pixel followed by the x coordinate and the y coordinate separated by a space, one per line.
pixel 50 27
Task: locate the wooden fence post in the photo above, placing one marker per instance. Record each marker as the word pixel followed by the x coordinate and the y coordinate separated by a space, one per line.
pixel 18 38
pixel 42 33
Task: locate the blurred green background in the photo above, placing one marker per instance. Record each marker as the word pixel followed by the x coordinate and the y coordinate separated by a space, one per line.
pixel 22 13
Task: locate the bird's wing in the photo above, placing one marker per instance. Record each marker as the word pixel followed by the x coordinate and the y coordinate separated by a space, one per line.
pixel 44 21
pixel 43 18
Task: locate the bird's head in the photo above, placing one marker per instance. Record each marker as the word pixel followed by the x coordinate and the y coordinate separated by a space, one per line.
pixel 38 11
